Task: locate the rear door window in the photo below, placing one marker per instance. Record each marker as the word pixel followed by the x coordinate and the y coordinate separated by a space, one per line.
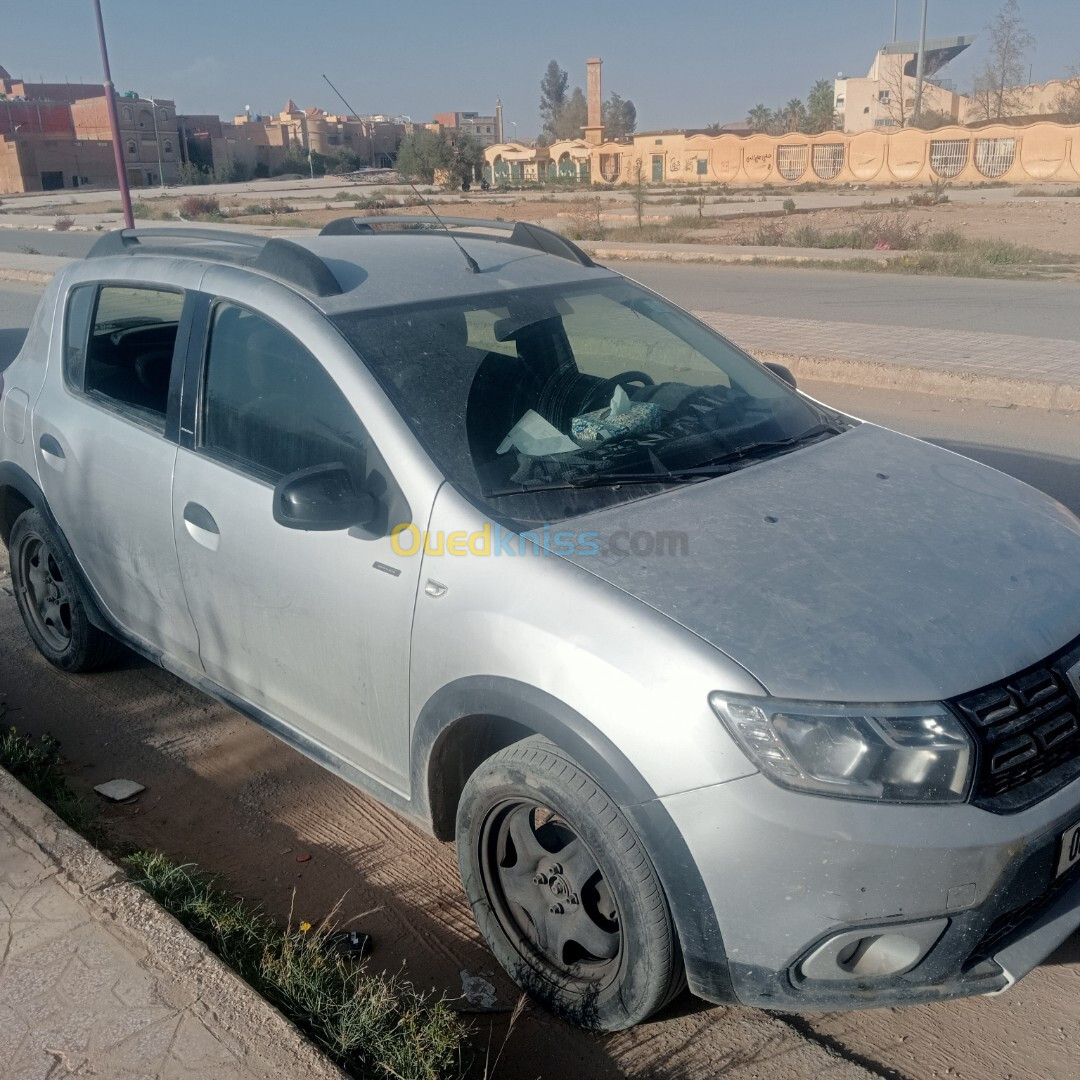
pixel 126 360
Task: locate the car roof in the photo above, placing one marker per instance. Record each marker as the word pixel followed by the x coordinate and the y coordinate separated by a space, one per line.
pixel 354 268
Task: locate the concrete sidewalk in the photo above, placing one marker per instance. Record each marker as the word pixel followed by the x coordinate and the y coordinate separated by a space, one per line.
pixel 97 980
pixel 1040 372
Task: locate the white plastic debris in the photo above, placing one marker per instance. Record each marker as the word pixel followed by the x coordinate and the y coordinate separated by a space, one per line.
pixel 119 790
pixel 479 993
pixel 620 403
pixel 533 436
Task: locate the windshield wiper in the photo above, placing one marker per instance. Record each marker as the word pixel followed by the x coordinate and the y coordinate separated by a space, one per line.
pixel 605 479
pixel 764 449
pixel 719 466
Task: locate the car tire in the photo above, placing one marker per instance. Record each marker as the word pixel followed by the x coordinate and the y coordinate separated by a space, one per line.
pixel 564 891
pixel 50 598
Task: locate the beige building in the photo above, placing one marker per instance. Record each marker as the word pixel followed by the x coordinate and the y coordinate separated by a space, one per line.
pixel 1020 154
pixel 886 97
pixel 149 135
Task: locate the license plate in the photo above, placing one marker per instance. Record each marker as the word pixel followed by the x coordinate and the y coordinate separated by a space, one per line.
pixel 1070 850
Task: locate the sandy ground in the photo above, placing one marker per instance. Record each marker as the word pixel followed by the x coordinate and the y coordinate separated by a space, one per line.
pixel 1048 223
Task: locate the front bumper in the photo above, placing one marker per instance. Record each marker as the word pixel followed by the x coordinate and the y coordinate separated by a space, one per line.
pixel 783 873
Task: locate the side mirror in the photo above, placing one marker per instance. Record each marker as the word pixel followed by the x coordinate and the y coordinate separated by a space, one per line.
pixel 322 499
pixel 783 372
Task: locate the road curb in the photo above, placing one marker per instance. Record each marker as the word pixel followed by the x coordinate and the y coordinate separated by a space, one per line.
pixel 246 1023
pixel 31 277
pixel 1036 393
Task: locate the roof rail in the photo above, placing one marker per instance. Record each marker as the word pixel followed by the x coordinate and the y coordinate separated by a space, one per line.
pixel 522 233
pixel 276 256
pixel 133 241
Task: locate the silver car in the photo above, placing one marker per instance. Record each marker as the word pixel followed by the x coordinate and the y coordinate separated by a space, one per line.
pixel 710 683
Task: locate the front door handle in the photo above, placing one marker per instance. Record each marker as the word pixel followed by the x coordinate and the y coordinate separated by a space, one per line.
pixel 51 451
pixel 201 526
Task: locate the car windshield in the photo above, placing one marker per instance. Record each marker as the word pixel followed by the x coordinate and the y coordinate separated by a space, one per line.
pixel 546 403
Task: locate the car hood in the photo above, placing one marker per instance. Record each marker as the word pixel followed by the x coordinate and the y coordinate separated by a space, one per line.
pixel 869 567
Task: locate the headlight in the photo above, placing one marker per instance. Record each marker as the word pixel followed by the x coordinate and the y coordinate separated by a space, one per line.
pixel 903 753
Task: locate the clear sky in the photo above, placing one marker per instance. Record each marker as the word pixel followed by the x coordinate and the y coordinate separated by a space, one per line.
pixel 684 63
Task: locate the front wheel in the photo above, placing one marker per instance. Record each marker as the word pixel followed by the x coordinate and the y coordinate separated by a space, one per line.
pixel 564 891
pixel 49 598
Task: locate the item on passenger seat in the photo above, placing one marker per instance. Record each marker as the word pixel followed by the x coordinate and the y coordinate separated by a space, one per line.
pixel 621 417
pixel 533 436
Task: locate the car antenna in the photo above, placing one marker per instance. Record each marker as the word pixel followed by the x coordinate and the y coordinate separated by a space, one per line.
pixel 472 264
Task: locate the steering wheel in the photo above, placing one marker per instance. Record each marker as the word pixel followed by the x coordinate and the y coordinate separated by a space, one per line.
pixel 604 390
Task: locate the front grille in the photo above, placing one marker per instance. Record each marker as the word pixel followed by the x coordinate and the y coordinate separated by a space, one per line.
pixel 1026 726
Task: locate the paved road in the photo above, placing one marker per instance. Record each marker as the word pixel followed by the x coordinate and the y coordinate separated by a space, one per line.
pixel 1036 309
pixel 35 242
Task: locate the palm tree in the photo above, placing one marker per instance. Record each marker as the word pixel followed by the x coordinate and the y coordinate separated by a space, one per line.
pixel 794 114
pixel 820 107
pixel 759 117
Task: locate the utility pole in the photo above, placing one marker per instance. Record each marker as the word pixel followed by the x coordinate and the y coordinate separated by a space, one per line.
pixel 157 140
pixel 920 67
pixel 114 123
pixel 895 16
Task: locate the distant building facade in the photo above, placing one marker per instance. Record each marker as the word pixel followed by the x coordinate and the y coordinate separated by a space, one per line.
pixel 486 130
pixel 149 135
pixel 886 97
pixel 1018 154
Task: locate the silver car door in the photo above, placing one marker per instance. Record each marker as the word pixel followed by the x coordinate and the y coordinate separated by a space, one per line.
pixel 106 458
pixel 311 627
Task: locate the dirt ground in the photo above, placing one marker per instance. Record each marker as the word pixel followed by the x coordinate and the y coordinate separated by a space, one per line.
pixel 1047 223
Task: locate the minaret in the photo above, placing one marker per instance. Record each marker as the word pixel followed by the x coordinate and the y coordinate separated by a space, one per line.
pixel 498 120
pixel 594 130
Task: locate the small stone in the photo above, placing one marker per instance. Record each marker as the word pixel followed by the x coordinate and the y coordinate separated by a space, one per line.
pixel 303 858
pixel 119 790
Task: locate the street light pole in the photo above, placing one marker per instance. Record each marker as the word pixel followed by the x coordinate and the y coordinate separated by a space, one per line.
pixel 920 67
pixel 157 140
pixel 895 16
pixel 114 123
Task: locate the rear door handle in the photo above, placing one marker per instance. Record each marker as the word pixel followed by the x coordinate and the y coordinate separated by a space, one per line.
pixel 201 526
pixel 51 451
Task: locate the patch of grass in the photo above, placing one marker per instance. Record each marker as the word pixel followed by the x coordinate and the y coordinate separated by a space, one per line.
pixel 372 1026
pixel 200 207
pixel 945 240
pixel 1035 192
pixel 35 763
pixel 376 1027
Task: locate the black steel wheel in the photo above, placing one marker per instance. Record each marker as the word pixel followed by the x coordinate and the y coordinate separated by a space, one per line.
pixel 564 891
pixel 50 601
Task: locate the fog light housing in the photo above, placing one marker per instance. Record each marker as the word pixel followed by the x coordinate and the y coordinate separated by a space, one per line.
pixel 872 953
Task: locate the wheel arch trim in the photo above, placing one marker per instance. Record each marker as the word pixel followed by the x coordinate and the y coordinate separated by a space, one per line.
pixel 15 478
pixel 528 710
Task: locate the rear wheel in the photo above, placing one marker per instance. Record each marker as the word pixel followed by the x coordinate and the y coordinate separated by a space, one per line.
pixel 50 600
pixel 563 890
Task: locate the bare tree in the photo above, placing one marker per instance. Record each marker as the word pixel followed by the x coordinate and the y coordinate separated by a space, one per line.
pixel 1068 101
pixel 999 87
pixel 892 96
